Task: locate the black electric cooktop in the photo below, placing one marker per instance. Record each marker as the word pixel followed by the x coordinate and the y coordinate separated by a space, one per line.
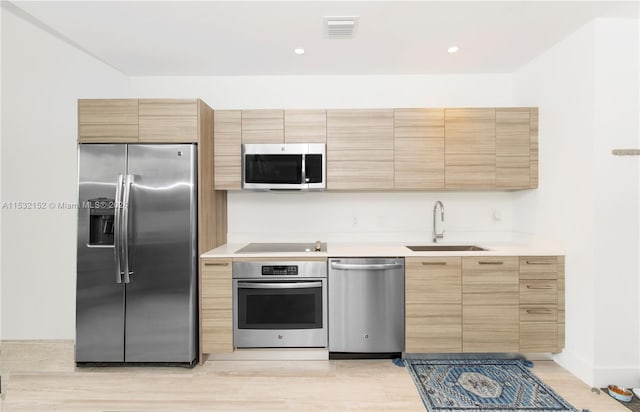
pixel 282 247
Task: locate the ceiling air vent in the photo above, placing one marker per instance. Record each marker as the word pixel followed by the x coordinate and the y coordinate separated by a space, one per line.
pixel 340 27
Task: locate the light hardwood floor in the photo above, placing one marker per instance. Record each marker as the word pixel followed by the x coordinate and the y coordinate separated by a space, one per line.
pixel 40 376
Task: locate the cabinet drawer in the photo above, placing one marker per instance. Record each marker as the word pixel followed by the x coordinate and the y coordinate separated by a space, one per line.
pixel 538 337
pixel 538 267
pixel 538 313
pixel 538 292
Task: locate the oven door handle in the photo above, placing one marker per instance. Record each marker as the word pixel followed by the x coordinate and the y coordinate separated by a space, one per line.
pixel 289 285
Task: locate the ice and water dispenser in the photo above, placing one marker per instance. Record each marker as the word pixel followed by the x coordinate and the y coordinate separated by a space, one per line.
pixel 101 212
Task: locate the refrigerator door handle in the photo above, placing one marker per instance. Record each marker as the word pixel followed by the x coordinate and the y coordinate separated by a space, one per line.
pixel 117 228
pixel 128 180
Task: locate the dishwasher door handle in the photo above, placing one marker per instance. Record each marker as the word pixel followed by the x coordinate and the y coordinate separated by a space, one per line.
pixel 373 266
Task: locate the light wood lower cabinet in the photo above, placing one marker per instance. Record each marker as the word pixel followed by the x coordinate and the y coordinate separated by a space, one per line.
pixel 216 306
pixel 540 304
pixel 433 305
pixel 490 304
pixel 484 304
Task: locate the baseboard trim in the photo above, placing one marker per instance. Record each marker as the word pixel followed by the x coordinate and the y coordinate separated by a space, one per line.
pixel 627 377
pixel 580 368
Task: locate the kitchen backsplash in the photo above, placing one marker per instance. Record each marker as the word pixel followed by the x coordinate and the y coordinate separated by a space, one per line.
pixel 367 217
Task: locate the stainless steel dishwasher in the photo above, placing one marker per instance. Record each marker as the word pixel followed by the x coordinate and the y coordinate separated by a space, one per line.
pixel 366 305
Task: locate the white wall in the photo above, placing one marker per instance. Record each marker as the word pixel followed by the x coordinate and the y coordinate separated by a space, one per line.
pixel 367 217
pixel 587 89
pixel 1 12
pixel 42 77
pixel 377 216
pixel 301 92
pixel 617 218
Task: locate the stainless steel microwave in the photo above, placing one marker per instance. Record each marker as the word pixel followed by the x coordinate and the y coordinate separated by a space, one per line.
pixel 289 166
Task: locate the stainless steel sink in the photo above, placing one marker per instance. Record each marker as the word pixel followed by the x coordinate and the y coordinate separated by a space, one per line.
pixel 446 248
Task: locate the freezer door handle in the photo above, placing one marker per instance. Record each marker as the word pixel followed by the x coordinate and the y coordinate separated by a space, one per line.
pixel 117 228
pixel 350 266
pixel 126 198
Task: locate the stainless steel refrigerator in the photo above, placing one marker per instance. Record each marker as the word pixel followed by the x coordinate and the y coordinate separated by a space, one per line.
pixel 136 295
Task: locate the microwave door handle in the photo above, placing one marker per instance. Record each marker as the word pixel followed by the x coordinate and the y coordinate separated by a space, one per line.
pixel 291 285
pixel 304 169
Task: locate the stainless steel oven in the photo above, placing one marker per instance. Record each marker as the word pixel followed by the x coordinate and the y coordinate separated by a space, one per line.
pixel 280 304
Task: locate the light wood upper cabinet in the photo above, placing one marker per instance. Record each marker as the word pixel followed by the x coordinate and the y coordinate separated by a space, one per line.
pixel 263 126
pixel 305 126
pixel 107 120
pixel 227 127
pixel 433 304
pixel 360 149
pixel 490 304
pixel 418 149
pixel 168 120
pixel 216 307
pixel 512 148
pixel 470 148
pixel 533 147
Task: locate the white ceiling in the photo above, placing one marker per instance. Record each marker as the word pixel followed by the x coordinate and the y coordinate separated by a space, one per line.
pixel 148 38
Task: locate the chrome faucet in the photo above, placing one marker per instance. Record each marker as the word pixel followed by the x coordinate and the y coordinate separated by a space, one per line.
pixel 437 235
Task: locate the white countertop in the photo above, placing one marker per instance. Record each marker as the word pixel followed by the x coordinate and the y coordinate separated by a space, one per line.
pixel 362 249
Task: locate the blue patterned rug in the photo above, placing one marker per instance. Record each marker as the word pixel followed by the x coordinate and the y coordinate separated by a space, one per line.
pixel 482 385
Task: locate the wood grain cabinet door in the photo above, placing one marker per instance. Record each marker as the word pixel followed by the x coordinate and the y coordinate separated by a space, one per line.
pixel 263 126
pixel 216 306
pixel 433 305
pixel 490 304
pixel 470 148
pixel 168 120
pixel 227 130
pixel 512 148
pixel 305 126
pixel 418 149
pixel 107 120
pixel 360 149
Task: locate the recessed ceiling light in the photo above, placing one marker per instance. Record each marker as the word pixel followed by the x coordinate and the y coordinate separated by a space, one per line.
pixel 453 49
pixel 298 50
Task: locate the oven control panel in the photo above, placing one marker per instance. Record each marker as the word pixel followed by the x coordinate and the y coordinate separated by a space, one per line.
pixel 289 270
